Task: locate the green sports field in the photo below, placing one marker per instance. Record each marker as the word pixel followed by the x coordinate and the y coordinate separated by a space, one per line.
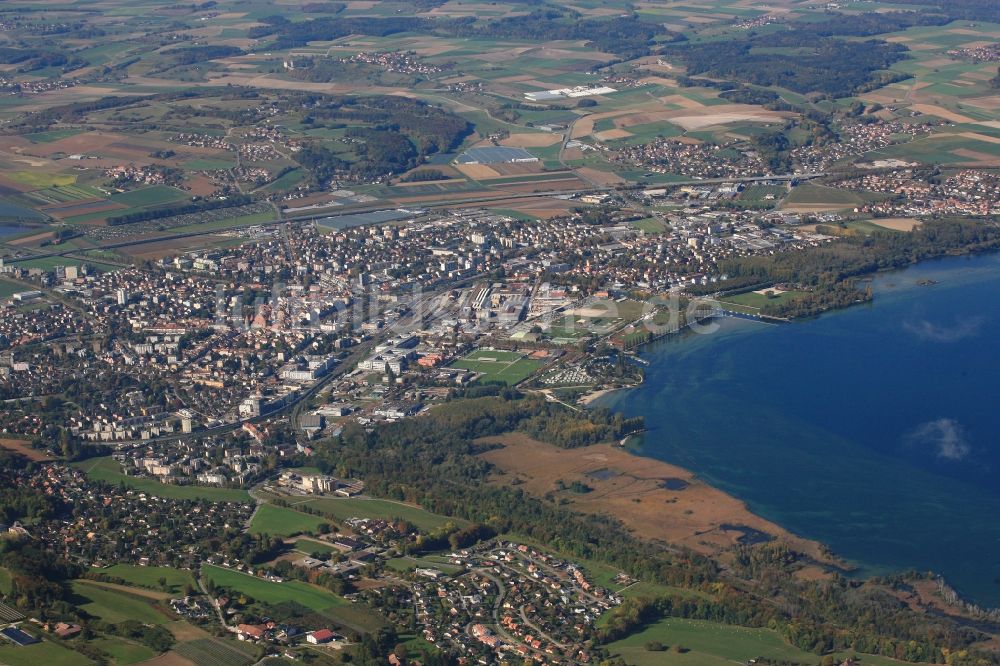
pixel 501 366
pixel 273 593
pixel 279 521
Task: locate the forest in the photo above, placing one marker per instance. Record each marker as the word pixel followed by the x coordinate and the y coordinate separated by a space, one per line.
pixel 389 134
pixel 288 34
pixel 625 36
pixel 825 65
pixel 956 10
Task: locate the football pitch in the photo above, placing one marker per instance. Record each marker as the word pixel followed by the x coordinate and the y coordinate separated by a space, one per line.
pixel 499 366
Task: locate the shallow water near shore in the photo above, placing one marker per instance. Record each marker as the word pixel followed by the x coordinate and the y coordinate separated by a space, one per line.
pixel 875 430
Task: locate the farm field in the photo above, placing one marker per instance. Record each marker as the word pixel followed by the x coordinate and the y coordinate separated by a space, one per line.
pixel 214 652
pixel 273 593
pixel 106 469
pixel 113 605
pixel 46 652
pixel 356 617
pixel 148 577
pixel 279 521
pixel 498 366
pixel 52 135
pixel 944 149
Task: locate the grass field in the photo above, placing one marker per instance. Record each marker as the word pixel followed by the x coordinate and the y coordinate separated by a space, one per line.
pixel 150 576
pixel 106 469
pixel 7 289
pixel 124 652
pixel 209 164
pixel 51 135
pixel 755 301
pixel 253 218
pixel 711 644
pixel 708 644
pixel 407 564
pixel 46 653
pixel 808 194
pixel 507 367
pixel 5 580
pixel 213 652
pixel 357 617
pixel 309 547
pixel 279 521
pixel 113 605
pixel 761 192
pixel 650 225
pixel 273 593
pixel 149 196
pixel 341 509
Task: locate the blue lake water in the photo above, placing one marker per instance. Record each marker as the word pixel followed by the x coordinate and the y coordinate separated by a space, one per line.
pixel 875 430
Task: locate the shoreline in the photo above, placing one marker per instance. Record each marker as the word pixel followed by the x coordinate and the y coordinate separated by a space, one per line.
pixel 929 274
pixel 655 500
pixel 587 399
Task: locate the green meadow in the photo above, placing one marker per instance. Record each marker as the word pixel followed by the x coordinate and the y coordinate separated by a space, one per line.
pixel 279 521
pixel 273 593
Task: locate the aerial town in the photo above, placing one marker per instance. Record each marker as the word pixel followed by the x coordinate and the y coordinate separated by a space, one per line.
pixel 529 332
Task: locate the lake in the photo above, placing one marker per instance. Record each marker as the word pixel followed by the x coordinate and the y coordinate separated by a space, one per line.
pixel 872 429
